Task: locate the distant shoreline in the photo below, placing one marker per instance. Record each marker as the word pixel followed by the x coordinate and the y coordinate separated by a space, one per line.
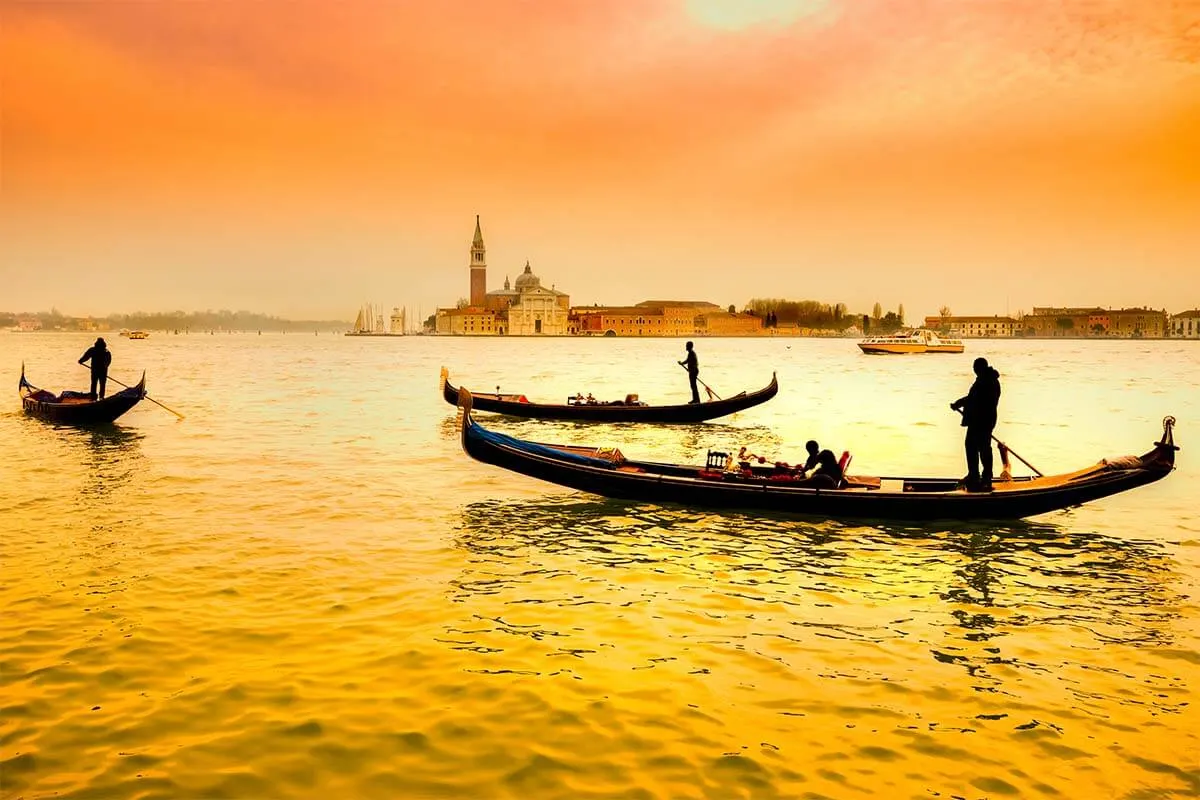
pixel 697 336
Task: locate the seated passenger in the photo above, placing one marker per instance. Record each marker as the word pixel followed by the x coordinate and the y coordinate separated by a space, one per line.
pixel 828 474
pixel 591 401
pixel 578 398
pixel 745 458
pixel 814 455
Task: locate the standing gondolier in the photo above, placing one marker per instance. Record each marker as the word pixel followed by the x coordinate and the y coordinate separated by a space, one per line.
pixel 100 357
pixel 693 367
pixel 979 418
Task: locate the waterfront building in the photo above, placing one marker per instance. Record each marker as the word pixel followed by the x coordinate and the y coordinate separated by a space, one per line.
pixel 974 327
pixel 478 267
pixel 1186 325
pixel 1075 322
pixel 663 318
pixel 524 309
pixel 1060 322
pixel 728 323
pixel 468 321
pixel 536 309
pixel 1138 323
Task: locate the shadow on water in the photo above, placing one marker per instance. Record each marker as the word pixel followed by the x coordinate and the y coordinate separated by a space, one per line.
pixel 969 584
pixel 108 455
pixel 691 437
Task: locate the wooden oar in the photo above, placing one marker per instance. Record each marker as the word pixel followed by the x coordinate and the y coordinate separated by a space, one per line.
pixel 1004 449
pixel 707 388
pixel 148 397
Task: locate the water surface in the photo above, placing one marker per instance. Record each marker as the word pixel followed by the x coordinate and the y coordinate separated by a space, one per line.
pixel 305 589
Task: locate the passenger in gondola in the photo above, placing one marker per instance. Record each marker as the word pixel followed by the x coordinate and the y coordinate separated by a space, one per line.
pixel 828 472
pixel 814 455
pixel 979 418
pixel 746 459
pixel 100 357
pixel 693 367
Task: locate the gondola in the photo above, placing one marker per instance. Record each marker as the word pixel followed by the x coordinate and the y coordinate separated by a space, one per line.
pixel 77 408
pixel 608 473
pixel 516 405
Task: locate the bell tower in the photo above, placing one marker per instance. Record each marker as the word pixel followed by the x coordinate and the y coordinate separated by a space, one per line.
pixel 478 267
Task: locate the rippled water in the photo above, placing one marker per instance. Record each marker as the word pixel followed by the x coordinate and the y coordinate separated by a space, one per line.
pixel 305 589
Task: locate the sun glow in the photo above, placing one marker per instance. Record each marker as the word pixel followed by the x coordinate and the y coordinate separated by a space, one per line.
pixel 735 15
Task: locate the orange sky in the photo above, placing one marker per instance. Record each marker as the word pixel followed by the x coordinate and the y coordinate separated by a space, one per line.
pixel 301 157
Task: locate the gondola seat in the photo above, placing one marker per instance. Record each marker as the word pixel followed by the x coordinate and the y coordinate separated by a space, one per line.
pixel 843 463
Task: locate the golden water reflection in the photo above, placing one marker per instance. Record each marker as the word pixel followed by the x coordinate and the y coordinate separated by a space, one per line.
pixel 979 598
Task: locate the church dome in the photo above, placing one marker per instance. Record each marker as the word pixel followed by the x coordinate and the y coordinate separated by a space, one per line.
pixel 527 280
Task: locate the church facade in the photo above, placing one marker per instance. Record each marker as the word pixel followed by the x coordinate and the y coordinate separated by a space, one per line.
pixel 525 308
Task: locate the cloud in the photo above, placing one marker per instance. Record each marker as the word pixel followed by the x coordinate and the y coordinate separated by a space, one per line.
pixel 661 122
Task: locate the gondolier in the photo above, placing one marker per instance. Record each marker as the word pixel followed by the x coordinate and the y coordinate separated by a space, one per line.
pixel 100 357
pixel 693 367
pixel 979 418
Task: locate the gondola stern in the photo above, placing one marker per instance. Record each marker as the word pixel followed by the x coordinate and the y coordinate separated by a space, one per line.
pixel 1168 435
pixel 448 390
pixel 464 403
pixel 1165 448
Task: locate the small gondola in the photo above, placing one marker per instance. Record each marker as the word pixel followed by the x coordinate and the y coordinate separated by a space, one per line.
pixel 606 472
pixel 516 405
pixel 77 408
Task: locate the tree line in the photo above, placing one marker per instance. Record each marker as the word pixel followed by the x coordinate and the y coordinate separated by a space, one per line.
pixel 174 320
pixel 823 316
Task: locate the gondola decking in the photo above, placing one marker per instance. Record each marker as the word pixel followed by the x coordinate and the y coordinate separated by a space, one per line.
pixel 516 405
pixel 608 473
pixel 78 410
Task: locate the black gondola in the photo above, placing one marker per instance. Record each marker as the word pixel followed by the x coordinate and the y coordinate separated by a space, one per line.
pixel 77 408
pixel 516 405
pixel 606 472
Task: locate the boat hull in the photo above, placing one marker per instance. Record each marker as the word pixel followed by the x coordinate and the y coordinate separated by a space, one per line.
pixel 513 406
pixel 920 499
pixel 83 414
pixel 902 349
pixel 921 340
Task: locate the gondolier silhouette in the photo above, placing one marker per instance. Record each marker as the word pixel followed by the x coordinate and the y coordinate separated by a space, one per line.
pixel 693 368
pixel 100 357
pixel 979 418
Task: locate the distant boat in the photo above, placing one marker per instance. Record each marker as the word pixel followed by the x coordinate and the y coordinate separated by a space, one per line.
pixel 137 335
pixel 921 340
pixel 629 410
pixel 78 408
pixel 370 322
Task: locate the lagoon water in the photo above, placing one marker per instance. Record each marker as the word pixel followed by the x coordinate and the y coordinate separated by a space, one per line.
pixel 306 589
